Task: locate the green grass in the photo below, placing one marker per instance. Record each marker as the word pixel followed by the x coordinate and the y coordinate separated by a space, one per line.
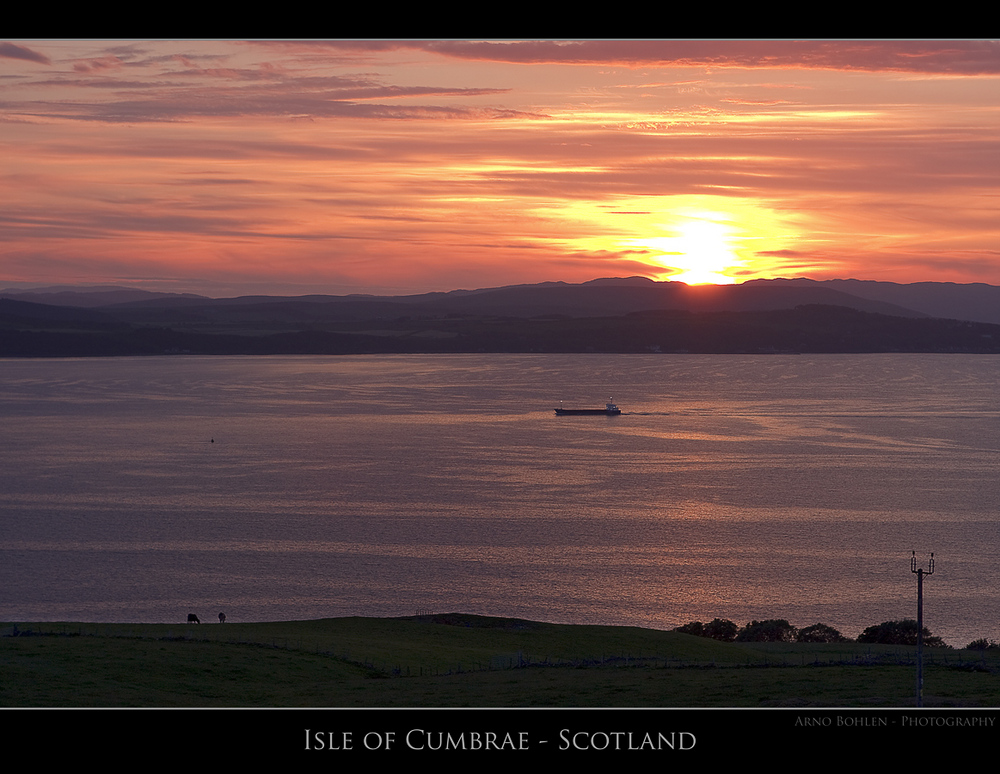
pixel 461 661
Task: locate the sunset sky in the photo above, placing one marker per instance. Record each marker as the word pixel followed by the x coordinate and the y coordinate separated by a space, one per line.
pixel 394 167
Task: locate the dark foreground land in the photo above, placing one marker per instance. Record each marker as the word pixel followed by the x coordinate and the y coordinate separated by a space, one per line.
pixel 461 660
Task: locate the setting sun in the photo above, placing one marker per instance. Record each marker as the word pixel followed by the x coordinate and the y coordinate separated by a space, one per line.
pixel 699 249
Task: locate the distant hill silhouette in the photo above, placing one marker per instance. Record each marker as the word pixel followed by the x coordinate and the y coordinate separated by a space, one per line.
pixel 631 314
pixel 977 302
pixel 612 298
pixel 87 296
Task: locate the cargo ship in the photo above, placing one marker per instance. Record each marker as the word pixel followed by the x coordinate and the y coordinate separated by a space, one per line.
pixel 609 410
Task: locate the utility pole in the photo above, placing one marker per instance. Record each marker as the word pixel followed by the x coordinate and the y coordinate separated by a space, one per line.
pixel 920 622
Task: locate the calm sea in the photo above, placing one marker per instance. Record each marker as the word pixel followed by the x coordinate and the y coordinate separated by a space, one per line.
pixel 740 487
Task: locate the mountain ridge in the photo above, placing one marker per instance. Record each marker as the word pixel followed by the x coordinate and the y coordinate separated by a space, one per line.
pixel 977 302
pixel 610 315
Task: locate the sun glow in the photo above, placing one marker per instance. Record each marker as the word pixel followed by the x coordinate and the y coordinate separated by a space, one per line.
pixel 700 251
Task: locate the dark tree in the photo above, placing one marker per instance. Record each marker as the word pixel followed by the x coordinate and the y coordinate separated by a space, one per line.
pixel 902 632
pixel 718 629
pixel 821 633
pixel 983 644
pixel 721 629
pixel 772 630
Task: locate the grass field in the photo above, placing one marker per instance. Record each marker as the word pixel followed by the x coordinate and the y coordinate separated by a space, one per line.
pixel 463 661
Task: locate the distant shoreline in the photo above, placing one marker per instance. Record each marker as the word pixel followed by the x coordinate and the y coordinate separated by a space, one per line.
pixel 804 330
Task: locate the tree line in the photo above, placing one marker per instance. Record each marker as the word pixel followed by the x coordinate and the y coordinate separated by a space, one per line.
pixel 902 632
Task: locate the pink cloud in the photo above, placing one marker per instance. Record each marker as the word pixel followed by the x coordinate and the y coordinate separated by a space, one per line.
pixel 109 62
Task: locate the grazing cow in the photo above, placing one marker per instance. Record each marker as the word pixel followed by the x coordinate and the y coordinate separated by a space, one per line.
pixel 222 617
pixel 192 618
